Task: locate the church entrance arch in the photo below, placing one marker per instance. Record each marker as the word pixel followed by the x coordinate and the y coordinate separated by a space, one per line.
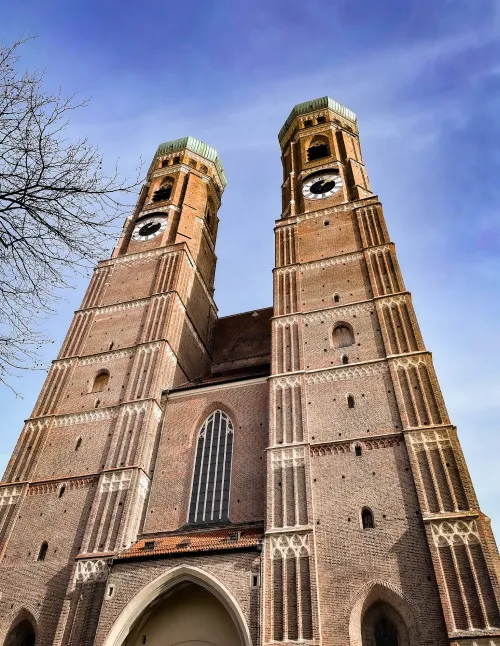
pixel 185 606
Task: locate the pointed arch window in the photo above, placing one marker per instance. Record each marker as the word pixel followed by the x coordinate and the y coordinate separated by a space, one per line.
pixel 212 470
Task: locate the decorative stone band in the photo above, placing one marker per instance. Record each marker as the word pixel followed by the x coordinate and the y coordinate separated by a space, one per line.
pixel 336 448
pixel 10 495
pixel 432 439
pixel 385 301
pixel 341 374
pixel 290 545
pixel 334 164
pixel 338 313
pixel 91 571
pixel 52 487
pixel 478 641
pixel 283 321
pixel 381 249
pixel 38 425
pixel 116 481
pixel 128 305
pixel 411 360
pixel 125 353
pixel 286 382
pixel 85 418
pixel 460 532
pixel 287 457
pixel 105 413
pixel 320 264
pixel 105 357
pixel 340 208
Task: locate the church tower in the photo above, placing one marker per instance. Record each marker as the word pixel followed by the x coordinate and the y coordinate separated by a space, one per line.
pixel 75 489
pixel 371 510
pixel 280 477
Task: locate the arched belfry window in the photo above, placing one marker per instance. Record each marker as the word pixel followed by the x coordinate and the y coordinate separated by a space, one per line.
pixel 342 336
pixel 318 148
pixel 212 470
pixel 164 192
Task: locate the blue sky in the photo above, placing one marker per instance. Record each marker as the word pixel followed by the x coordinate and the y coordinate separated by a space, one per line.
pixel 423 77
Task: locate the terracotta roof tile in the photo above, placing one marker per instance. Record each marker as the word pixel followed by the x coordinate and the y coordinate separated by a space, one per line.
pixel 205 541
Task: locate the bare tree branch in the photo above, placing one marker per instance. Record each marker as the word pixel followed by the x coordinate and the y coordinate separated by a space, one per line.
pixel 57 207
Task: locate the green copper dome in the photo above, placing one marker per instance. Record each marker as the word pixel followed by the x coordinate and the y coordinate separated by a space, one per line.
pixel 316 104
pixel 195 146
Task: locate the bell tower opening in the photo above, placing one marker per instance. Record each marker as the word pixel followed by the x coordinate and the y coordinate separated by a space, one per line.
pixel 187 614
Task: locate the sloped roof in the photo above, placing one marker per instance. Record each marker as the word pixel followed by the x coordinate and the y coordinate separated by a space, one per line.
pixel 195 146
pixel 316 104
pixel 227 538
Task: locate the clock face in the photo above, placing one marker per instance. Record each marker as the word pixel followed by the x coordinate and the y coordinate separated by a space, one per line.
pixel 322 186
pixel 147 229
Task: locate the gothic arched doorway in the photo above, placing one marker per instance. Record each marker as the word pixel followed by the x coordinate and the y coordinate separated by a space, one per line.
pixel 23 634
pixel 188 614
pixel 383 626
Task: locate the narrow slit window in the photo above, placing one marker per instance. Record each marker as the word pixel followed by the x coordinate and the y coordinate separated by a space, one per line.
pixel 345 360
pixel 367 518
pixel 212 470
pixel 62 491
pixel 336 298
pixel 42 554
pixel 350 401
pixel 357 450
pixel 78 443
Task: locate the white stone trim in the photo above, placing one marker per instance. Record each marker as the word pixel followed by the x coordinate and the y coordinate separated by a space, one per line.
pixel 10 495
pixel 351 372
pixel 459 532
pixel 117 481
pixel 431 439
pixel 287 457
pixel 380 249
pixel 283 321
pixel 338 313
pixel 91 571
pixel 284 544
pixel 286 382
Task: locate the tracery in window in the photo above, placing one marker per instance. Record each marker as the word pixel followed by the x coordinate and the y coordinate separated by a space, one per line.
pixel 212 470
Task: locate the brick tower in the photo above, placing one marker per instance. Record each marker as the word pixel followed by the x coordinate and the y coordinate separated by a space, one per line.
pixel 282 476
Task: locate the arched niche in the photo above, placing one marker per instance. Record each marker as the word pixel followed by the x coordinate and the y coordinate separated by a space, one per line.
pixel 22 633
pixel 185 605
pixel 380 612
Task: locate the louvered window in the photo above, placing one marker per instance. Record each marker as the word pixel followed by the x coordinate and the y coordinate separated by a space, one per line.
pixel 212 470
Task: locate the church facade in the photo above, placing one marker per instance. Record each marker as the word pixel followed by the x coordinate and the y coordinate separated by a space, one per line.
pixel 283 476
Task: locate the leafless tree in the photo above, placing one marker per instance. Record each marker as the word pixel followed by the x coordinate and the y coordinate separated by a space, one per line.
pixel 57 206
